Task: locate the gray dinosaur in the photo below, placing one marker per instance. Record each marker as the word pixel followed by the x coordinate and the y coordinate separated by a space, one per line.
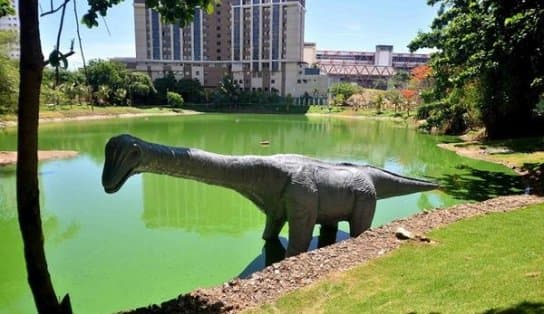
pixel 287 188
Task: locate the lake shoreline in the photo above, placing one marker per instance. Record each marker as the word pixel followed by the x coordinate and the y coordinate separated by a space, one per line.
pixel 93 116
pixel 302 270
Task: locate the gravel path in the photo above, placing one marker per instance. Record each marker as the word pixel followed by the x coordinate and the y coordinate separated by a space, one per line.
pixel 299 271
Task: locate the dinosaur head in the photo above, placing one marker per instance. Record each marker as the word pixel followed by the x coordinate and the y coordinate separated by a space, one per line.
pixel 123 154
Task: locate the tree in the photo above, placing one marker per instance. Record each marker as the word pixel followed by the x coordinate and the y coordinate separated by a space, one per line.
pixel 163 85
pixel 496 45
pixel 139 87
pixel 394 97
pixel 30 71
pixel 229 91
pixel 110 74
pixel 190 89
pixel 345 89
pixel 379 102
pixel 399 80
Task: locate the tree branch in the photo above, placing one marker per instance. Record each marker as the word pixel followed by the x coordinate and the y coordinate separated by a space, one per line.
pixel 63 5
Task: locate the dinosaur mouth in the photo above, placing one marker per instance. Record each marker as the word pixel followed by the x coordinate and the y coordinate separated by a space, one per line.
pixel 113 185
pixel 116 187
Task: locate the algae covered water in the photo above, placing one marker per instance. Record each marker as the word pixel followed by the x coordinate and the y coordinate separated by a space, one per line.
pixel 161 236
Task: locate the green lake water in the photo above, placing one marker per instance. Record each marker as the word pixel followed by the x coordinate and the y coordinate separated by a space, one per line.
pixel 161 236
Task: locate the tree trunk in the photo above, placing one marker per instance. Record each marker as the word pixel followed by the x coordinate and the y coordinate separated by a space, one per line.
pixel 28 206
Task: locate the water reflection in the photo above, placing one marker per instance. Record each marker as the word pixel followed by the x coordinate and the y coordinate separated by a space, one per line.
pixel 192 206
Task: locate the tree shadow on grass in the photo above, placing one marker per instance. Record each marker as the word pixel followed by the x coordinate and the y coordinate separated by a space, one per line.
pixel 520 145
pixel 479 185
pixel 520 308
pixel 534 177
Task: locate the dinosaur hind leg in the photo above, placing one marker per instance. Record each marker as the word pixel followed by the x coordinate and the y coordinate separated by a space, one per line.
pixel 362 215
pixel 327 234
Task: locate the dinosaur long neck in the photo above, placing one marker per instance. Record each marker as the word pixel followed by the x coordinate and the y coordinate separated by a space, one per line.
pixel 388 184
pixel 228 171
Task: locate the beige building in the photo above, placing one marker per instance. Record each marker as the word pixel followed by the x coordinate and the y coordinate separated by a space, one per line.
pixel 259 43
pixel 11 23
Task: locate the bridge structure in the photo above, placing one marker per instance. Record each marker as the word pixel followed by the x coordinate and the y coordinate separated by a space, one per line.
pixel 368 69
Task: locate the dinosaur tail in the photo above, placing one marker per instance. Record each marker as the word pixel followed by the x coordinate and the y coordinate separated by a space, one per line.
pixel 389 184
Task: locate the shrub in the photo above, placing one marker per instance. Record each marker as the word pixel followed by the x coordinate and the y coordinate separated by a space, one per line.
pixel 174 99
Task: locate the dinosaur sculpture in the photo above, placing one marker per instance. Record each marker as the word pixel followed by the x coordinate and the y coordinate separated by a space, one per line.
pixel 287 188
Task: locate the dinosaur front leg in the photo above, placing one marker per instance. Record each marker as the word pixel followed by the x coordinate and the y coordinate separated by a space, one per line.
pixel 300 234
pixel 273 228
pixel 362 215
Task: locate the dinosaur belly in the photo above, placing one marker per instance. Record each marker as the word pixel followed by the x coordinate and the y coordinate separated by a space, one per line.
pixel 334 204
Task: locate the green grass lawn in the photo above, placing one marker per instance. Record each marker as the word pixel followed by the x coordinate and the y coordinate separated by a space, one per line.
pixel 489 264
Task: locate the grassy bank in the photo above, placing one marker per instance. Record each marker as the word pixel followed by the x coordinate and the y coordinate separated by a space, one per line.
pixel 77 111
pixel 524 155
pixel 485 264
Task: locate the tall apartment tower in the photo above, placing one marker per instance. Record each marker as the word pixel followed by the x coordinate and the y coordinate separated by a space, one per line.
pixel 260 43
pixel 11 23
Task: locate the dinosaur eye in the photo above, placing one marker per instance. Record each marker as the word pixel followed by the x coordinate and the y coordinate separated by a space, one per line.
pixel 135 153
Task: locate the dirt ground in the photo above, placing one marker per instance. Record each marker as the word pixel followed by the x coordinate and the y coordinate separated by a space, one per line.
pixel 10 158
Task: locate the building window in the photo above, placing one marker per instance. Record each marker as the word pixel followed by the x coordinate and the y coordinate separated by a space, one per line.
pixel 196 35
pixel 256 31
pixel 177 47
pixel 275 31
pixel 236 30
pixel 155 35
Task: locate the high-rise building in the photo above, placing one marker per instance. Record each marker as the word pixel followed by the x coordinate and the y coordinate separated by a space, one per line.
pixel 259 43
pixel 11 23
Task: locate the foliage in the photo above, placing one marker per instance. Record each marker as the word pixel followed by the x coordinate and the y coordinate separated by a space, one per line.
pixel 345 89
pixel 394 97
pixel 339 100
pixel 163 85
pixel 6 8
pixel 399 80
pixel 191 90
pixel 379 101
pixel 228 92
pixel 174 99
pixel 455 114
pixel 497 44
pixel 506 263
pixel 408 94
pixel 105 73
pixel 175 12
pixel 139 87
pixel 421 72
pixel 8 75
